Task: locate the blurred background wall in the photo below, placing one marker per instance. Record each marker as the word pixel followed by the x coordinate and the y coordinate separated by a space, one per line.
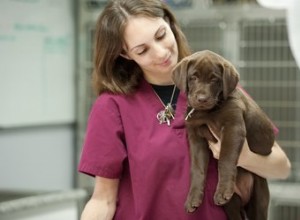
pixel 37 110
pixel 46 49
pixel 37 93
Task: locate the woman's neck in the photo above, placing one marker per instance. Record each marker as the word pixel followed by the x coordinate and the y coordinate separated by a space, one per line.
pixel 161 79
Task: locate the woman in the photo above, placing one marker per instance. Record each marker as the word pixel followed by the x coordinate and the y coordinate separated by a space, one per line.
pixel 135 144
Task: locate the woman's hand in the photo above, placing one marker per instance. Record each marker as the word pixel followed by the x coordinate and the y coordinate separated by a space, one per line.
pixel 97 209
pixel 274 166
pixel 244 154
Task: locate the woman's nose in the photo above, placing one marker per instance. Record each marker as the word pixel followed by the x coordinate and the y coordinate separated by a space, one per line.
pixel 159 50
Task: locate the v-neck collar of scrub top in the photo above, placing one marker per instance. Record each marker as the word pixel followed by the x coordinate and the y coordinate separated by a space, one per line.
pixel 155 103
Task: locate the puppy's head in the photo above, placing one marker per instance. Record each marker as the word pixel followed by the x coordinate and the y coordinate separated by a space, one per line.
pixel 206 78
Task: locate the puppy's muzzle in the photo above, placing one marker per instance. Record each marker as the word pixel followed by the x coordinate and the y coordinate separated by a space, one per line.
pixel 201 101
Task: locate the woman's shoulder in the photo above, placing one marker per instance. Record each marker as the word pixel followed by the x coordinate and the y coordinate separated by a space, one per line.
pixel 106 99
pixel 139 97
pixel 105 104
pixel 111 100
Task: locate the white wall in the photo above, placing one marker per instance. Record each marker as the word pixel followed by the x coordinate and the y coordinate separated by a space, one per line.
pixel 37 62
pixel 37 158
pixel 37 93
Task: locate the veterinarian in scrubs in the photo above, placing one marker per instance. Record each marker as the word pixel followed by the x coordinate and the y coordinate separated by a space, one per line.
pixel 135 144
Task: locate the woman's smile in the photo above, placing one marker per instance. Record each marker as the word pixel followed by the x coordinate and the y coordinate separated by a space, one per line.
pixel 166 62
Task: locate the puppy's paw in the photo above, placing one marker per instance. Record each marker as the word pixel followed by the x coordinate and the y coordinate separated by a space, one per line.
pixel 223 196
pixel 193 202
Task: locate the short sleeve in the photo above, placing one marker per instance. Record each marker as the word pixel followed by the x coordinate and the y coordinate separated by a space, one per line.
pixel 104 149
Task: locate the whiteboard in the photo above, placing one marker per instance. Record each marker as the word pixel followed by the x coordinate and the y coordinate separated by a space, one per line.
pixel 37 79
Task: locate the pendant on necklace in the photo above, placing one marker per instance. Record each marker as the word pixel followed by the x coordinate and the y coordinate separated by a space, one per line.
pixel 166 115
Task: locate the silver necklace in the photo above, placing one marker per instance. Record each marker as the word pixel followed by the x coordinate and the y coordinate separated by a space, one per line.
pixel 167 114
pixel 189 115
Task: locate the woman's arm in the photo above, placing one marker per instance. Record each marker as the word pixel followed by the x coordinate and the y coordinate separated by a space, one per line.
pixel 102 205
pixel 274 166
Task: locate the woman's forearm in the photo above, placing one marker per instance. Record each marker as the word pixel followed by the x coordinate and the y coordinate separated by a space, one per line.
pixel 97 209
pixel 102 205
pixel 274 166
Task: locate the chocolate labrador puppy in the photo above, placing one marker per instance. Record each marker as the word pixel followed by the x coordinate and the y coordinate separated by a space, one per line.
pixel 218 105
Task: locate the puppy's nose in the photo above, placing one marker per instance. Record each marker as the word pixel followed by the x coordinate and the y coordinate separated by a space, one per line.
pixel 202 98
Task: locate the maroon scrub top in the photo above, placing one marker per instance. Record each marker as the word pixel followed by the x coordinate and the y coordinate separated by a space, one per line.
pixel 125 140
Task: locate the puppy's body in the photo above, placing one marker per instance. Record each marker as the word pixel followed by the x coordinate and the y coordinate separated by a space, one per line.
pixel 210 83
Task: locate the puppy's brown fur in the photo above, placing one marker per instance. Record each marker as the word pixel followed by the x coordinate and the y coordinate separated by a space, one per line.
pixel 210 83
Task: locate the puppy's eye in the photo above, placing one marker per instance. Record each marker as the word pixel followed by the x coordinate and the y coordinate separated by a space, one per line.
pixel 214 80
pixel 192 78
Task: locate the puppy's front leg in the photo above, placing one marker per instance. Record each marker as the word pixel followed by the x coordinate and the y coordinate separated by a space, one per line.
pixel 199 153
pixel 231 145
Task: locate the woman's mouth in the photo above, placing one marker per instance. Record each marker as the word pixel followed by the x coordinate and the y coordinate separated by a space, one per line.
pixel 166 62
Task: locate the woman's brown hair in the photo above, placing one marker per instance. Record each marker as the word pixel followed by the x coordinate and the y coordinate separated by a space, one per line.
pixel 112 72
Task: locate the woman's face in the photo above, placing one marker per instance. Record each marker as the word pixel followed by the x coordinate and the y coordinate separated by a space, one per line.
pixel 150 42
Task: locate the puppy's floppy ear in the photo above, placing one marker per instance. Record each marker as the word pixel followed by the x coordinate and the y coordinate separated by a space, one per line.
pixel 180 73
pixel 230 78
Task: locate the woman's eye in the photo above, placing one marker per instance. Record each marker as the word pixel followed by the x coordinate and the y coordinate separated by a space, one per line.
pixel 161 35
pixel 141 52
